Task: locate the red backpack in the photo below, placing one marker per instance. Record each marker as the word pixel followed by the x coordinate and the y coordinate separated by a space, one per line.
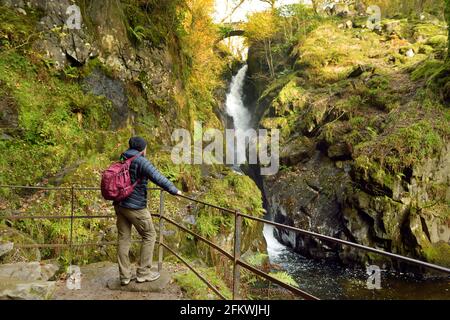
pixel 116 181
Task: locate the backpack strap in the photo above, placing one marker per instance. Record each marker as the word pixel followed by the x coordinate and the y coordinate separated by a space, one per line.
pixel 131 160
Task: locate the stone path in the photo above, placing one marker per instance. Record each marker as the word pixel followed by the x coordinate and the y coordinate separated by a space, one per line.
pixel 98 278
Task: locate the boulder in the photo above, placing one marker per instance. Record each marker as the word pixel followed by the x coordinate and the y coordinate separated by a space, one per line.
pixel 5 248
pixel 296 151
pixel 340 151
pixel 28 290
pixel 28 271
pixel 48 271
pixel 62 45
pixel 309 198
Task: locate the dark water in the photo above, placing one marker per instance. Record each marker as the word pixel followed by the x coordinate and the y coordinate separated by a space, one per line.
pixel 328 280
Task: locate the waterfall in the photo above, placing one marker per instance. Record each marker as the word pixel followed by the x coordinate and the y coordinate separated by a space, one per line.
pixel 236 109
pixel 242 117
pixel 274 247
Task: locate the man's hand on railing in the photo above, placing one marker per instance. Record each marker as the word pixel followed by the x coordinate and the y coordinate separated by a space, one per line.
pixel 179 193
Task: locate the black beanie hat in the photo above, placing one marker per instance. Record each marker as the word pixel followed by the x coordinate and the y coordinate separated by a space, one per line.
pixel 137 143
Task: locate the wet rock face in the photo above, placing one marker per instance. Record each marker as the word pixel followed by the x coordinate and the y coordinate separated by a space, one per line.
pixel 61 44
pixel 103 35
pixel 326 196
pixel 101 85
pixel 310 197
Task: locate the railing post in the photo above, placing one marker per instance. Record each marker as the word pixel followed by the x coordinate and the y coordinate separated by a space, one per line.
pixel 161 230
pixel 72 212
pixel 237 255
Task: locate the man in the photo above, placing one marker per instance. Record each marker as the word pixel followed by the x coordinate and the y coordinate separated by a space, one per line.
pixel 133 211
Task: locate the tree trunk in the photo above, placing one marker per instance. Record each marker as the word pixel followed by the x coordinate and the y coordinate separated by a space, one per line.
pixel 271 59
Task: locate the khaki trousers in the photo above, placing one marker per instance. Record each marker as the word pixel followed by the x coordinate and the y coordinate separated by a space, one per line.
pixel 142 221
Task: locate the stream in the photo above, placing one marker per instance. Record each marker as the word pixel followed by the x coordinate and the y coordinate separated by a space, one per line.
pixel 327 280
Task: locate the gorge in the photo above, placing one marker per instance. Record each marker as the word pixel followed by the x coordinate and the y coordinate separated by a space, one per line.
pixel 364 130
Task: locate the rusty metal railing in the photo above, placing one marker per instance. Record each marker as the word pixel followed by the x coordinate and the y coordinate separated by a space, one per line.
pixel 235 257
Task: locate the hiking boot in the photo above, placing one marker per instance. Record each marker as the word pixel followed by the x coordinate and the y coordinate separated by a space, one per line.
pixel 152 276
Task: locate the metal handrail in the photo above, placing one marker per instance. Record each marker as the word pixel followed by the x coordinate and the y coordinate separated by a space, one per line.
pixel 207 204
pixel 235 257
pixel 211 244
pixel 210 285
pixel 352 244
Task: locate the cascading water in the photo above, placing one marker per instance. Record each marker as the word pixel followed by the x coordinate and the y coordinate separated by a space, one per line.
pixel 242 117
pixel 236 109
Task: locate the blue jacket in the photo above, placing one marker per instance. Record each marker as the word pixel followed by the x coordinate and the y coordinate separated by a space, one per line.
pixel 141 168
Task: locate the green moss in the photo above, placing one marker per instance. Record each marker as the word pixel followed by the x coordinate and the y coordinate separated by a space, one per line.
pixel 426 31
pixel 233 192
pixel 438 253
pixel 403 147
pixel 15 28
pixel 414 143
pixel 196 289
pixel 257 259
pixel 274 122
pixel 291 98
pixel 284 277
pixel 50 114
pixel 447 18
pixel 439 41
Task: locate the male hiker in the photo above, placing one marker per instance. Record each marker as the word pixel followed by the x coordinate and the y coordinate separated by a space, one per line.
pixel 133 211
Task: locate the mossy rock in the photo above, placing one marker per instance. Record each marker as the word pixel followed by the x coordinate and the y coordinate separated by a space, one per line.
pixel 196 289
pixel 425 31
pixel 17 254
pixel 274 122
pixel 439 41
pixel 438 253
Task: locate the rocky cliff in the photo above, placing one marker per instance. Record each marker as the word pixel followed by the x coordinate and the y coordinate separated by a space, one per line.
pixel 70 98
pixel 364 137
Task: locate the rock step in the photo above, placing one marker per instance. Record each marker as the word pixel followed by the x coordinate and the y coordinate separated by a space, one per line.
pixel 154 286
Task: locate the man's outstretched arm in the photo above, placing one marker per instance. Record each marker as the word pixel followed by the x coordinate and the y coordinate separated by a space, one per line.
pixel 149 171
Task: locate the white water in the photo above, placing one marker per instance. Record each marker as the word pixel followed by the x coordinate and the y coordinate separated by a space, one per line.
pixel 242 121
pixel 236 109
pixel 274 248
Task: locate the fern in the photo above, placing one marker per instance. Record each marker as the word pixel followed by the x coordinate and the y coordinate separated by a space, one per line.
pixel 137 32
